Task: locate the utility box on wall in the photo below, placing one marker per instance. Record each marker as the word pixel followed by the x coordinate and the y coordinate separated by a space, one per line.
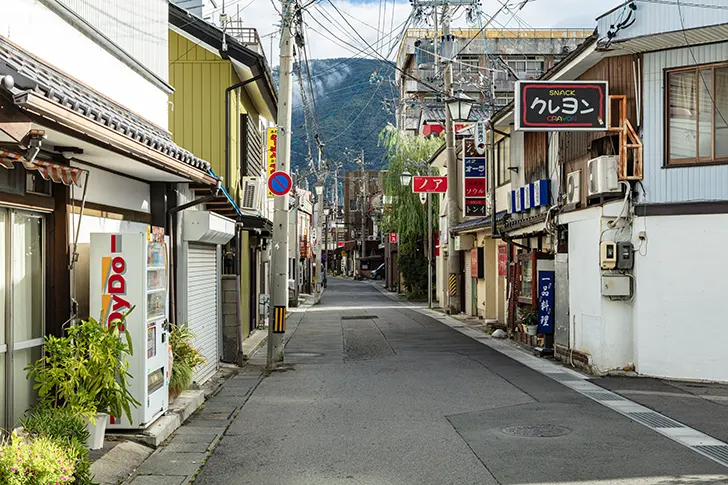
pixel 616 285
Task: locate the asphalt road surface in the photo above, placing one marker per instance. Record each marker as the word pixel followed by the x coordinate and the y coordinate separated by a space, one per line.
pixel 380 394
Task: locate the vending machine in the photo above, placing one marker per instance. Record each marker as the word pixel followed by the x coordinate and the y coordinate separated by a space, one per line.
pixel 130 271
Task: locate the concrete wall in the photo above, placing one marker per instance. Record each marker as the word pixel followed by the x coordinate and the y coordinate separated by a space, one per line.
pixel 679 303
pixel 37 29
pixel 599 326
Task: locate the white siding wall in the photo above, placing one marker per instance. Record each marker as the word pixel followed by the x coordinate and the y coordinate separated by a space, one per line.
pixel 679 309
pixel 140 27
pixel 38 30
pixel 599 326
pixel 113 190
pixel 675 184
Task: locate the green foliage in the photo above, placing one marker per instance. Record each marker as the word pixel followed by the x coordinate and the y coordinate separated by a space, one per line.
pixel 408 215
pixel 185 359
pixel 38 460
pixel 528 317
pixel 69 431
pixel 87 371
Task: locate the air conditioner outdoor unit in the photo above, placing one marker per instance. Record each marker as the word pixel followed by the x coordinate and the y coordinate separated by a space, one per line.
pixel 573 187
pixel 603 175
pixel 251 193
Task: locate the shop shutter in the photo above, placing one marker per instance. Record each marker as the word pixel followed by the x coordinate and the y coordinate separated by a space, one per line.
pixel 202 308
pixel 468 284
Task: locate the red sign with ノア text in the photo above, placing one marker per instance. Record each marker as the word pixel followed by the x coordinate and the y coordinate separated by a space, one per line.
pixel 422 184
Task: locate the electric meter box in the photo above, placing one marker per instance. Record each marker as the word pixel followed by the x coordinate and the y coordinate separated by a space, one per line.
pixel 608 255
pixel 625 255
pixel 616 285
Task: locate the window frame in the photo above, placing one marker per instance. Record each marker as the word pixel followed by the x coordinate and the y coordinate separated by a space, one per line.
pixel 696 161
pixel 502 163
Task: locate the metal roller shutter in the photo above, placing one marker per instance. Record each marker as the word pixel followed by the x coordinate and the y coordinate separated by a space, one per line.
pixel 202 278
pixel 468 284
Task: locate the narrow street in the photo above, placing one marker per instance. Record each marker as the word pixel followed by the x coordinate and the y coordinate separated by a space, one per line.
pixel 376 392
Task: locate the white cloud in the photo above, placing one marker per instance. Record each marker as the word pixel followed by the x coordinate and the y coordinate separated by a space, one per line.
pixel 364 17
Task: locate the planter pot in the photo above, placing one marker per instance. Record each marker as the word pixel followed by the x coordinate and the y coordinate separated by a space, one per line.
pixel 532 329
pixel 96 431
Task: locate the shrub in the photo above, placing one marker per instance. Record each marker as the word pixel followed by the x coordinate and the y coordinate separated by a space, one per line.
pixel 185 358
pixel 86 371
pixel 36 460
pixel 69 431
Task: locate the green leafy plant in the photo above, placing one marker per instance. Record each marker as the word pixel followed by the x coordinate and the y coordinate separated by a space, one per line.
pixel 35 460
pixel 529 317
pixel 69 431
pixel 87 371
pixel 186 358
pixel 407 216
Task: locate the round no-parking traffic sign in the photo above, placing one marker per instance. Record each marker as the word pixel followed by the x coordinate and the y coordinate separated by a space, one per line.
pixel 279 183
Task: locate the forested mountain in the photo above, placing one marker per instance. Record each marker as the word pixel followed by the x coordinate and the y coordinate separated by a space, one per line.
pixel 354 99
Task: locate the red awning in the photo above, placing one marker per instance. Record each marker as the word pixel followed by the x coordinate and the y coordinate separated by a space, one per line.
pixel 430 128
pixel 48 170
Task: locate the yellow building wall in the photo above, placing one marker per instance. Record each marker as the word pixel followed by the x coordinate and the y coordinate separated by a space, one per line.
pixel 245 282
pixel 197 111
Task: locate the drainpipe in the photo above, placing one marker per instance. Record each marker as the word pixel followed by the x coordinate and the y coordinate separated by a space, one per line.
pixel 228 90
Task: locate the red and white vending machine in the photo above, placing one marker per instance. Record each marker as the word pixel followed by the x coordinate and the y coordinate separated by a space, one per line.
pixel 127 271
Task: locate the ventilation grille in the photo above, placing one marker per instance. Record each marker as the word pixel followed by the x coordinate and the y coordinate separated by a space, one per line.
pixel 251 196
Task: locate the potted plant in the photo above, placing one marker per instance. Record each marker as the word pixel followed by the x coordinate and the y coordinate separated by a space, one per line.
pixel 529 320
pixel 185 359
pixel 87 372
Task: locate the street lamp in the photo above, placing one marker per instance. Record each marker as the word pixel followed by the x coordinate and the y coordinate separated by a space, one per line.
pixel 405 179
pixel 459 107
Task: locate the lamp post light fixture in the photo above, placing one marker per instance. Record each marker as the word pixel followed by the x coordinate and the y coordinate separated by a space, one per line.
pixel 459 107
pixel 405 179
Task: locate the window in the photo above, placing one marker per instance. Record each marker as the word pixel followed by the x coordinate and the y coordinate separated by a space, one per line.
pixel 502 157
pixel 697 110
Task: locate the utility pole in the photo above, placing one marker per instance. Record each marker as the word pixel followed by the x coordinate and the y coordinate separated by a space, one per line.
pixel 453 196
pixel 279 256
pixel 336 220
pixel 319 221
pixel 364 181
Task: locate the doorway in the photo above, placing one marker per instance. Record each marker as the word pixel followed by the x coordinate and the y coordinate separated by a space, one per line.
pixel 22 308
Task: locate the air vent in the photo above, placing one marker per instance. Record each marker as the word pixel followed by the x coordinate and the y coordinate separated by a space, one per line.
pixel 251 193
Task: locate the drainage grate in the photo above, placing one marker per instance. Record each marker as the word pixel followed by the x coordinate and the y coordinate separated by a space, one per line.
pixel 654 420
pixel 359 317
pixel 303 354
pixel 563 376
pixel 718 453
pixel 540 431
pixel 603 396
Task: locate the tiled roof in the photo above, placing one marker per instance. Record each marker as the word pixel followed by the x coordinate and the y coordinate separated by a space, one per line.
pixel 30 74
pixel 479 223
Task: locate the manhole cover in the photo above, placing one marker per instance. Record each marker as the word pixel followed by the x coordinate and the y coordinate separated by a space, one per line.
pixel 542 431
pixel 303 354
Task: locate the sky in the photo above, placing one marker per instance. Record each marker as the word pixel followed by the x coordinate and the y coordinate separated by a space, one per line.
pixel 366 15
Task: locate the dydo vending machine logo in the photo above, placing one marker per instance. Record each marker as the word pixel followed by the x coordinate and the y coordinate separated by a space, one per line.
pixel 113 280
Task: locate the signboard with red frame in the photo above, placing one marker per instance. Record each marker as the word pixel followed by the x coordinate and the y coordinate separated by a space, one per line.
pixel 475 182
pixel 429 184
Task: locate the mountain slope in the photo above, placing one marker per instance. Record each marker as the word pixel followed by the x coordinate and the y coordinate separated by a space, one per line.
pixel 353 100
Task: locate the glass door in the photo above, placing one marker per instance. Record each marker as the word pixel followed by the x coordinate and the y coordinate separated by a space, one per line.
pixel 22 305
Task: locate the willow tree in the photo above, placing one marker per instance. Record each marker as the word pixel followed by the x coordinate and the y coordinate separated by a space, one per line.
pixel 407 215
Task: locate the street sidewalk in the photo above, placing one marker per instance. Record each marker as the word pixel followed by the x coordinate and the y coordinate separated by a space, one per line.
pixel 179 458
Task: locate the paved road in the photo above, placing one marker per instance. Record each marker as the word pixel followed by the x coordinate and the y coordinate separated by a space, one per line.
pixel 380 394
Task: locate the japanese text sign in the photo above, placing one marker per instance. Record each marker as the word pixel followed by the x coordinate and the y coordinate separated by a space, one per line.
pixel 561 106
pixel 502 260
pixel 474 262
pixel 475 183
pixel 422 184
pixel 545 302
pixel 270 152
pixel 393 238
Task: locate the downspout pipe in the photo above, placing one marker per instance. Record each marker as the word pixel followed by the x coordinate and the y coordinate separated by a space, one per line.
pixel 229 90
